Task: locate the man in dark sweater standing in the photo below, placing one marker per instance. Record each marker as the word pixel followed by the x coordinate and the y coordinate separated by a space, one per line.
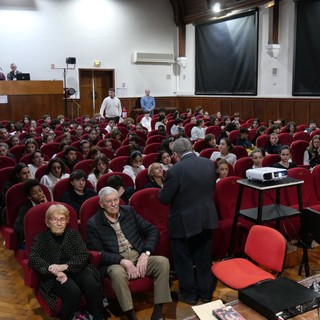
pixel 189 187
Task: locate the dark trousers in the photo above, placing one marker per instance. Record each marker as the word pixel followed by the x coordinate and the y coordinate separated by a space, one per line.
pixel 193 252
pixel 70 292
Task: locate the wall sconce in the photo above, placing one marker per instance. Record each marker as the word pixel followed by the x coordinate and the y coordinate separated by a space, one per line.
pixel 97 63
pixel 273 50
pixel 182 62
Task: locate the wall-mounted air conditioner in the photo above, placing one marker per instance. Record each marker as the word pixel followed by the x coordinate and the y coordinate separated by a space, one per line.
pixel 153 57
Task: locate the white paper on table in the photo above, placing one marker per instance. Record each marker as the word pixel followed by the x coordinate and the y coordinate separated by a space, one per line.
pixel 204 311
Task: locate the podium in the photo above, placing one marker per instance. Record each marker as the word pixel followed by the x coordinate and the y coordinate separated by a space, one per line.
pixel 34 98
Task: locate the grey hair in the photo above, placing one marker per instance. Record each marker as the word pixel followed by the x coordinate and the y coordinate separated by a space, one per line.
pixel 181 146
pixel 105 191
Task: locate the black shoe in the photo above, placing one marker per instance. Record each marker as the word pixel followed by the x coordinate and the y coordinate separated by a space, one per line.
pixel 188 300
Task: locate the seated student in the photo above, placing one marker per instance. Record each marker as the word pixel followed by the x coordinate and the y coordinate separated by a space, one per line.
pixel 37 160
pixel 56 171
pixel 155 174
pixel 165 160
pixel 59 256
pixel 146 121
pixel 262 130
pixel 100 167
pixel 210 141
pixel 84 147
pixel 116 134
pixel 243 139
pixel 70 157
pixel 5 152
pixel 225 152
pixel 177 127
pixel 222 169
pixel 35 195
pixel 116 183
pixel 285 162
pixel 198 131
pixel 134 144
pixel 257 156
pixel 311 155
pixel 126 243
pixel 312 126
pixel 93 137
pixel 30 145
pixel 272 146
pixel 162 121
pixel 78 194
pixel 93 152
pixel 135 165
pixel 291 128
pixel 111 125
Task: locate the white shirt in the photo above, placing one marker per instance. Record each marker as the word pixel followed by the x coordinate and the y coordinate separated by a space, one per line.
pixel 197 133
pixel 132 172
pixel 49 180
pixel 146 122
pixel 230 157
pixel 111 107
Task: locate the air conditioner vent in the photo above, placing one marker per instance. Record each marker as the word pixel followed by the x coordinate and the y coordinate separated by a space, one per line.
pixel 153 57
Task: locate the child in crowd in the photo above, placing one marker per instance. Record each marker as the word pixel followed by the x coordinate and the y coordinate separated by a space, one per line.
pixel 37 160
pixel 225 149
pixel 285 162
pixel 165 160
pixel 222 169
pixel 101 166
pixel 243 139
pixel 70 157
pixel 135 165
pixel 272 146
pixel 257 156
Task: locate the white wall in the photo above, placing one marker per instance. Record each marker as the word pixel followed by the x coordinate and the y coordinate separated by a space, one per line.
pixel 268 85
pixel 107 30
pixel 110 30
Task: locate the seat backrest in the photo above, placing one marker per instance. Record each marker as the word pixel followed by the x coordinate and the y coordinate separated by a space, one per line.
pixel 240 152
pixel 142 178
pixel 149 159
pixel 124 150
pixel 115 143
pixel 155 138
pixel 86 165
pixel 102 181
pixel 316 178
pixel 301 135
pixel 117 164
pixel 206 153
pixel 242 165
pixel 61 155
pixel 5 176
pixel 285 139
pixel 34 221
pixel 27 158
pixel 17 151
pixel 187 129
pixel 309 196
pixel 314 133
pixel 298 148
pixel 270 159
pixel 15 198
pixel 200 145
pixel 267 247
pixel 262 141
pixel 50 148
pixel 216 130
pixel 87 210
pixel 7 162
pixel 109 154
pixel 152 148
pixel 233 135
pixel 147 205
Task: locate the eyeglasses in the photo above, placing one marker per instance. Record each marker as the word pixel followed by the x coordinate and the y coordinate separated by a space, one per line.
pixel 56 220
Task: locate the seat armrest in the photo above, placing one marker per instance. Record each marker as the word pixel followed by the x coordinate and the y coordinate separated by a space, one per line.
pixel 31 278
pixel 94 258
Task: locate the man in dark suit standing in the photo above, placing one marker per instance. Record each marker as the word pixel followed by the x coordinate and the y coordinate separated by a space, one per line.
pixel 189 188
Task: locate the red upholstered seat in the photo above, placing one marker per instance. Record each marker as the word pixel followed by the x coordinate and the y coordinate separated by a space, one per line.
pixel 150 158
pixel 242 165
pixel 266 247
pixel 102 182
pixel 262 141
pixel 50 149
pixel 86 165
pixel 117 164
pixel 298 148
pixel 7 162
pixel 270 159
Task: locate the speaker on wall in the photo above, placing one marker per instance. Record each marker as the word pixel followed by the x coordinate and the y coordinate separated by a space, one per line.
pixel 71 60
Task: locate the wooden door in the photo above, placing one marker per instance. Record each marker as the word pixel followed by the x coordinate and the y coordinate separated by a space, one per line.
pixel 94 85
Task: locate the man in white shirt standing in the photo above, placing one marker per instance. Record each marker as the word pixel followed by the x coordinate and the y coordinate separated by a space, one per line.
pixel 111 107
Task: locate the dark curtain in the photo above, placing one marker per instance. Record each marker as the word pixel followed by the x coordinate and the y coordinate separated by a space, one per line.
pixel 226 56
pixel 306 69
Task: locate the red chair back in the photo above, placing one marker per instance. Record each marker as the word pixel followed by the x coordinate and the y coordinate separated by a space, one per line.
pixel 152 148
pixel 298 148
pixel 240 152
pixel 270 159
pixel 155 138
pixel 242 165
pixel 302 136
pixel 102 182
pixel 206 153
pixel 262 141
pixel 149 159
pixel 87 165
pixel 17 151
pixel 316 178
pixel 117 164
pixel 216 130
pixel 285 139
pixel 187 129
pixel 7 162
pixel 233 135
pixel 124 150
pixel 50 149
pixel 142 178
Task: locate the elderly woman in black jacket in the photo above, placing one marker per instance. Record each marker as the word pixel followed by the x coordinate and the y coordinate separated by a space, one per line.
pixel 59 256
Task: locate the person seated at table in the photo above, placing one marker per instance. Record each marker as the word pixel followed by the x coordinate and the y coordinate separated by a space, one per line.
pixel 59 256
pixel 35 195
pixel 272 146
pixel 56 171
pixel 311 155
pixel 12 75
pixel 126 242
pixel 155 174
pixel 285 156
pixel 222 169
pixel 78 194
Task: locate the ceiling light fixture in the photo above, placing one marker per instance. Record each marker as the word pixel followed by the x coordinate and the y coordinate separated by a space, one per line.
pixel 216 7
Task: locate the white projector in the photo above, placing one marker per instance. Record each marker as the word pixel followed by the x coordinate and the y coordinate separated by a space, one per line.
pixel 266 174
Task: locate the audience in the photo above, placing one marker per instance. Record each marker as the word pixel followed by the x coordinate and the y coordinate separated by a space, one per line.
pixel 135 165
pixel 165 160
pixel 257 156
pixel 70 157
pixel 311 155
pixel 155 174
pixel 225 149
pixel 124 192
pixel 100 167
pixel 285 162
pixel 198 131
pixel 37 160
pixel 272 146
pixel 222 169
